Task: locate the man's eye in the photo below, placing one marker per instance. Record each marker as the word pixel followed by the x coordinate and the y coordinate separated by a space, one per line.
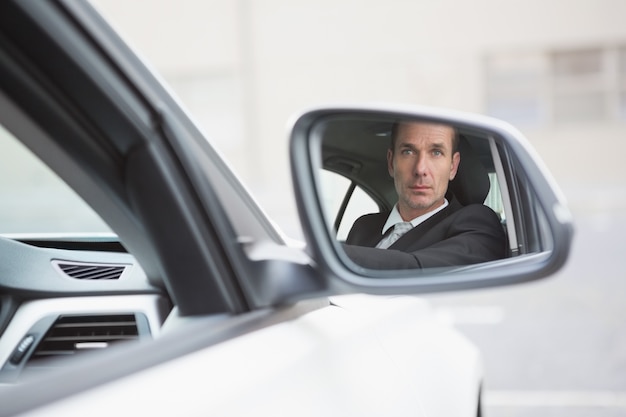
pixel 406 152
pixel 437 152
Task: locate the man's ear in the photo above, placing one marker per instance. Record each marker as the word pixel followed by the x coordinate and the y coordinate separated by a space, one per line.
pixel 390 162
pixel 456 160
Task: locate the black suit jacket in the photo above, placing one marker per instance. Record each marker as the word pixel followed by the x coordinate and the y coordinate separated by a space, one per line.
pixel 457 235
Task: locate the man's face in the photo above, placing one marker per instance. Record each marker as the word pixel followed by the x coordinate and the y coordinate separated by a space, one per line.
pixel 421 165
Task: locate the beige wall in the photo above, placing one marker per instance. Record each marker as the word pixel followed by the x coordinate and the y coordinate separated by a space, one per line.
pixel 245 67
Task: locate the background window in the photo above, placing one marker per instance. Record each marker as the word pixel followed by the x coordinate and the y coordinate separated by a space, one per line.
pixel 515 85
pixel 557 87
pixel 580 85
pixel 622 82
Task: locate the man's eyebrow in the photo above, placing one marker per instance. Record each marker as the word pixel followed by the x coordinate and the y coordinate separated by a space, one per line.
pixel 439 146
pixel 401 144
pixel 433 145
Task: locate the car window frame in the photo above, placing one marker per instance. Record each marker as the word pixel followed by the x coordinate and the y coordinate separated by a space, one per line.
pixel 36 108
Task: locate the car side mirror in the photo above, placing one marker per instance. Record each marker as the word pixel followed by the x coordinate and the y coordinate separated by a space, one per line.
pixel 501 220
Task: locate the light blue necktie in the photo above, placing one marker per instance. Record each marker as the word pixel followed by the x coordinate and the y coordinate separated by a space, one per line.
pixel 398 230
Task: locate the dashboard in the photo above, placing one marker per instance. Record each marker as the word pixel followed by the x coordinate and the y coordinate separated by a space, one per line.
pixel 60 298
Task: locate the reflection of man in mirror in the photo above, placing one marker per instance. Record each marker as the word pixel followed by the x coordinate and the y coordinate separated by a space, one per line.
pixel 424 229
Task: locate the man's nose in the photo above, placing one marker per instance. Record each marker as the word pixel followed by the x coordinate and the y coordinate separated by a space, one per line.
pixel 421 165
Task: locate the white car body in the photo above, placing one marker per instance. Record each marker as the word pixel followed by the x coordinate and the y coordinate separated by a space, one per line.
pixel 360 356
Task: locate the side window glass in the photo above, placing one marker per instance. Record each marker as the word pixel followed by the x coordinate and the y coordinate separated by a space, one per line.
pixel 35 200
pixel 336 188
pixel 494 198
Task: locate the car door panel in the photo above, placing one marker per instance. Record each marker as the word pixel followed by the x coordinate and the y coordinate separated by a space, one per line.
pixel 343 359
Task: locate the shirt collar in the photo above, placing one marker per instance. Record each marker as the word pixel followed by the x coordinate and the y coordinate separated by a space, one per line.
pixel 394 216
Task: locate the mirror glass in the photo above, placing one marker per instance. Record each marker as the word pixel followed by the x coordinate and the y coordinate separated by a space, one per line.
pixel 408 193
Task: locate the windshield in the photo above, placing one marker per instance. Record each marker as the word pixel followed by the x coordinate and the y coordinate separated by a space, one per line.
pixel 37 201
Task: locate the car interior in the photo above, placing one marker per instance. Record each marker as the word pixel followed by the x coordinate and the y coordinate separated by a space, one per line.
pixel 62 294
pixel 356 152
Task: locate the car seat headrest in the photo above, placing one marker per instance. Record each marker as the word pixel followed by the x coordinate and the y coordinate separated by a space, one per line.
pixel 471 184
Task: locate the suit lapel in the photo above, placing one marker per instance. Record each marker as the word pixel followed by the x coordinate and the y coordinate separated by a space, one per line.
pixel 413 237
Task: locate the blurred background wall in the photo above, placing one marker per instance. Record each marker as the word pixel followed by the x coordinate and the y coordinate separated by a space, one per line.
pixel 555 69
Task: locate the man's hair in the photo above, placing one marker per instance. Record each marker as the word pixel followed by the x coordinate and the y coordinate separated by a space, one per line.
pixel 396 126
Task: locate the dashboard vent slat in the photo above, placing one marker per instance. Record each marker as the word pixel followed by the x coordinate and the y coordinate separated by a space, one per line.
pixel 72 334
pixel 89 271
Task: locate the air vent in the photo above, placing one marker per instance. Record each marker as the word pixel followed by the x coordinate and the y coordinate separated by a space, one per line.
pixel 90 271
pixel 70 335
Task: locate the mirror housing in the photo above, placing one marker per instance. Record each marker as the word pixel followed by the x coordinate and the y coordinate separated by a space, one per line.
pixel 533 203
